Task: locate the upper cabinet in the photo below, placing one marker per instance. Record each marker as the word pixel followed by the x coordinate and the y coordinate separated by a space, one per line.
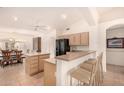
pixel 85 38
pixel 74 39
pixel 78 39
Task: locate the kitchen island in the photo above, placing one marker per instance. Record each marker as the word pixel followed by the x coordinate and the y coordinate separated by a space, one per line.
pixel 35 63
pixel 65 63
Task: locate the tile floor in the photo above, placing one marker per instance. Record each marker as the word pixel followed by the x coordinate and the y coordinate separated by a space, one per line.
pixel 114 76
pixel 15 76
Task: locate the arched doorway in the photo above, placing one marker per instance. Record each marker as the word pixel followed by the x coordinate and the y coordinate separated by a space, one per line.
pixel 114 47
pixel 102 36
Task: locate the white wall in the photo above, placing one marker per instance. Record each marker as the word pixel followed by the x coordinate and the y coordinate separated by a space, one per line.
pixel 26 40
pixel 102 36
pixel 115 55
pixel 82 26
pixel 47 43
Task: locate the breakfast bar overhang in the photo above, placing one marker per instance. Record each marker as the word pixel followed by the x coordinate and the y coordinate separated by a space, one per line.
pixel 65 63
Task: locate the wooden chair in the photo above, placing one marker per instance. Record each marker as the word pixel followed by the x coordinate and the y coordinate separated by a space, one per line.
pixel 88 66
pixel 86 76
pixel 101 74
pixel 19 56
pixel 7 59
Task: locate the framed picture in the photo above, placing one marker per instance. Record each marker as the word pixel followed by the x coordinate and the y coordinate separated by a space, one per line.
pixel 115 43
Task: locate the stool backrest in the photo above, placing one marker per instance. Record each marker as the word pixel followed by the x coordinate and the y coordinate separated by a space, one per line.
pixel 96 67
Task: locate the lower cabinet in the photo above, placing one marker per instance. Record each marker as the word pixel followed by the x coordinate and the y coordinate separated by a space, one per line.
pixel 35 64
pixel 49 74
pixel 41 61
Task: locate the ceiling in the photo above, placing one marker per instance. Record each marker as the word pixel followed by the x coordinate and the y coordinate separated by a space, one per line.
pixel 103 10
pixel 58 18
pixel 110 13
pixel 119 26
pixel 26 18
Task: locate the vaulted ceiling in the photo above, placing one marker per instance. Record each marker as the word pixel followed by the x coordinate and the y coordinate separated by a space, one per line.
pixel 27 18
pixel 54 17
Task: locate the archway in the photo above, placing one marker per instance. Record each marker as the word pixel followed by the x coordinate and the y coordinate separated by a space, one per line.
pixel 114 53
pixel 102 36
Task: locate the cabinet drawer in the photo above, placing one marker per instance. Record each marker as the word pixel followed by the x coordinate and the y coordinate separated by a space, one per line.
pixel 33 70
pixel 44 56
pixel 33 58
pixel 34 65
pixel 33 62
pixel 41 65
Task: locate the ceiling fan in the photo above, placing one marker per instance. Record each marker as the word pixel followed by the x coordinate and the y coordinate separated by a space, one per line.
pixel 40 27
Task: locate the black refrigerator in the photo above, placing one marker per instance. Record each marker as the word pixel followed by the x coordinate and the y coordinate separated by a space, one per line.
pixel 62 46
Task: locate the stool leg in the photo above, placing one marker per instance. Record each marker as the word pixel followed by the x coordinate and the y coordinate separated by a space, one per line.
pixel 78 83
pixel 70 80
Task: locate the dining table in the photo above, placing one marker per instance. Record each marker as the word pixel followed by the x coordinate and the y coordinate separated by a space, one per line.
pixel 12 55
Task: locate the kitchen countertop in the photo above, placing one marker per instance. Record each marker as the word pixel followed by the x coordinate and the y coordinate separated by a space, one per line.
pixel 74 55
pixel 35 54
pixel 51 60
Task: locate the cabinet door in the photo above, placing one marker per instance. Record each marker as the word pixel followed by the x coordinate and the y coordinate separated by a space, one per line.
pixel 85 38
pixel 31 65
pixel 77 39
pixel 41 62
pixel 49 74
pixel 71 40
pixel 33 70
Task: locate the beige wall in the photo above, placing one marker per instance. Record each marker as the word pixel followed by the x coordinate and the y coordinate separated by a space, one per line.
pixel 115 55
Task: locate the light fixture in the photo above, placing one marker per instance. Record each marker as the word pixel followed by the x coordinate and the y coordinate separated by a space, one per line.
pixel 64 16
pixel 11 39
pixel 15 18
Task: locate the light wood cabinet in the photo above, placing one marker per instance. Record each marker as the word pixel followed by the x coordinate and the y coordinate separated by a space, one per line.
pixel 85 38
pixel 74 39
pixel 35 64
pixel 71 40
pixel 78 39
pixel 49 74
pixel 41 62
pixel 31 65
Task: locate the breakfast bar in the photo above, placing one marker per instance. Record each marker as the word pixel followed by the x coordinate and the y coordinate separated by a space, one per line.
pixel 65 63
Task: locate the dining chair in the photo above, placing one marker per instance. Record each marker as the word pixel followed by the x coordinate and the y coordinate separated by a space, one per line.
pixel 18 54
pixel 7 59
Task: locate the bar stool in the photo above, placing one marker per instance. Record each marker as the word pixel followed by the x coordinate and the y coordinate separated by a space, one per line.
pixel 88 65
pixel 84 76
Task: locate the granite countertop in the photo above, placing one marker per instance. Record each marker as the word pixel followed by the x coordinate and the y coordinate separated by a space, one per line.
pixel 35 54
pixel 74 55
pixel 50 60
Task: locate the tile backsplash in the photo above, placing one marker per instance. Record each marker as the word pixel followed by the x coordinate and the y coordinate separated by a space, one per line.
pixel 78 48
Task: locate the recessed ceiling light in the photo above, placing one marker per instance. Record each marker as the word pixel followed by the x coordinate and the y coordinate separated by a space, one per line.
pixel 64 16
pixel 15 18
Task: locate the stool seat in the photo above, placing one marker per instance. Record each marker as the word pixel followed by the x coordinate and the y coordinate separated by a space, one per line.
pixel 81 75
pixel 88 65
pixel 91 61
pixel 88 72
